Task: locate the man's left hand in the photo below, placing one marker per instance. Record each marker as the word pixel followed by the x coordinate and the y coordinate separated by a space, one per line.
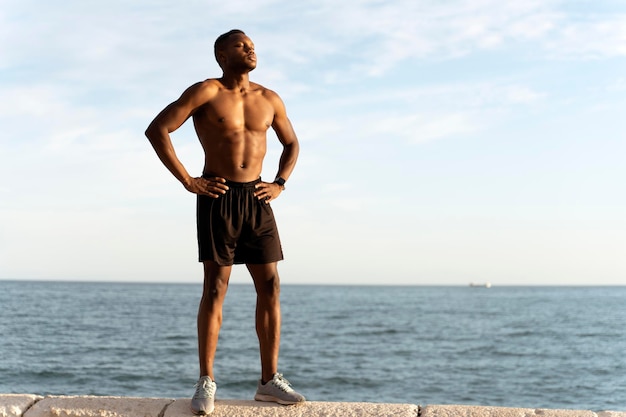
pixel 267 191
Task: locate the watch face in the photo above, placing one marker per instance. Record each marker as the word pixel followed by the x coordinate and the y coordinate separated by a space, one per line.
pixel 280 181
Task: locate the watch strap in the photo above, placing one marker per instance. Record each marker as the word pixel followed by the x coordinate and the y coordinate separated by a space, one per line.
pixel 280 181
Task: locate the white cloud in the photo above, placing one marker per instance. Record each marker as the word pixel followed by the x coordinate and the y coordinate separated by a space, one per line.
pixel 521 94
pixel 390 34
pixel 419 114
pixel 592 39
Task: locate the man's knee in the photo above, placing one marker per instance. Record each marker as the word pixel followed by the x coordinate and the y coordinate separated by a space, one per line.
pixel 216 280
pixel 270 287
pixel 266 280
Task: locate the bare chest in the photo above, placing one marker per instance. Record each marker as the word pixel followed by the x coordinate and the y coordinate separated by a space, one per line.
pixel 237 112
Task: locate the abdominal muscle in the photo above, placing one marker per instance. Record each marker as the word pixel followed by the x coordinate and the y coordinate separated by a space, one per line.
pixel 236 157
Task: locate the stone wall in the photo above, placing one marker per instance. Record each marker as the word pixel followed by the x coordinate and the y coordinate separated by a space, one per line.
pixel 27 405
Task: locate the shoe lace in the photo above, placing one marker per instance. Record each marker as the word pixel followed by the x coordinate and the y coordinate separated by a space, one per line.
pixel 204 388
pixel 280 382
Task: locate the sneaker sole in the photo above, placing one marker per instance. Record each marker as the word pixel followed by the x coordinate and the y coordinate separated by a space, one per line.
pixel 201 412
pixel 272 399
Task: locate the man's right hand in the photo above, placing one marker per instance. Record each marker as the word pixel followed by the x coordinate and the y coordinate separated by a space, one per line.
pixel 213 187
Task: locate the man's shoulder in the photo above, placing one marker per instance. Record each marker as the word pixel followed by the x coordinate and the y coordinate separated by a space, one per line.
pixel 211 81
pixel 201 91
pixel 264 91
pixel 208 84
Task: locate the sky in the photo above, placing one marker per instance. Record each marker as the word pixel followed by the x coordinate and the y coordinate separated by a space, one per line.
pixel 442 142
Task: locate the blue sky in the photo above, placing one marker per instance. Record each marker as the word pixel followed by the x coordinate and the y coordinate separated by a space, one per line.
pixel 441 142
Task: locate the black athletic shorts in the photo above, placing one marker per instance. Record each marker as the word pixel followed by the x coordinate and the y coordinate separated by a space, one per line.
pixel 237 228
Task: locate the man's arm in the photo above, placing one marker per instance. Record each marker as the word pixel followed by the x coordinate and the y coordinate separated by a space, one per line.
pixel 170 119
pixel 291 148
pixel 287 137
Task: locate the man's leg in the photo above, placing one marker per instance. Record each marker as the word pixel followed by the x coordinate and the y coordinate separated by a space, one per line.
pixel 216 279
pixel 267 284
pixel 209 323
pixel 272 387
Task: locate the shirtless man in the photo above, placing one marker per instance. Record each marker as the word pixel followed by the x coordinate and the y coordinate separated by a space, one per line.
pixel 236 225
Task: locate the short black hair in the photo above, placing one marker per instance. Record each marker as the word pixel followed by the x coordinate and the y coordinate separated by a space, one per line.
pixel 221 40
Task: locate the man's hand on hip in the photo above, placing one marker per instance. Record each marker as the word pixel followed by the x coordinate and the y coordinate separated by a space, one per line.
pixel 267 191
pixel 213 187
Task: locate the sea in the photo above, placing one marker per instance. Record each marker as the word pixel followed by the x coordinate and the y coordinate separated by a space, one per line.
pixel 531 347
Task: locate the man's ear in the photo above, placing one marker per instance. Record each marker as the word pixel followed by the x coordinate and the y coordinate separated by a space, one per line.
pixel 221 58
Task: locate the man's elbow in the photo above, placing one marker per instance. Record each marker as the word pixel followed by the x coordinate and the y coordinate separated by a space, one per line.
pixel 152 132
pixel 293 147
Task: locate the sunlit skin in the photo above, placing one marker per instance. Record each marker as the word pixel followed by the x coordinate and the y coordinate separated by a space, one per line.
pixel 231 116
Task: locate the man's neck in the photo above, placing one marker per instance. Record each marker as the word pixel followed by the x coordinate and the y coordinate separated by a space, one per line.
pixel 235 81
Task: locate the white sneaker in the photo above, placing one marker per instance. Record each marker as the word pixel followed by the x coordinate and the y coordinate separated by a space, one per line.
pixel 278 390
pixel 203 400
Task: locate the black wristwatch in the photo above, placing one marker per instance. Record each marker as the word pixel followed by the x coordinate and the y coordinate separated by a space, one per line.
pixel 280 181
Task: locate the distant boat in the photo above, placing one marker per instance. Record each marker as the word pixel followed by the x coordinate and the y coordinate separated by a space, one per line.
pixel 484 285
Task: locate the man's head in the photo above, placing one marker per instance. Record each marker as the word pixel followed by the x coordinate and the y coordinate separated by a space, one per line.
pixel 226 40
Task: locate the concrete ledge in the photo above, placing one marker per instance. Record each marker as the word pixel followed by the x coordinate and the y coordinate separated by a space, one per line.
pixel 98 407
pixel 15 405
pixel 235 408
pixel 479 411
pixel 26 405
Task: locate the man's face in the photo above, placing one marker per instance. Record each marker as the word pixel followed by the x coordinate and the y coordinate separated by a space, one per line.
pixel 239 53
